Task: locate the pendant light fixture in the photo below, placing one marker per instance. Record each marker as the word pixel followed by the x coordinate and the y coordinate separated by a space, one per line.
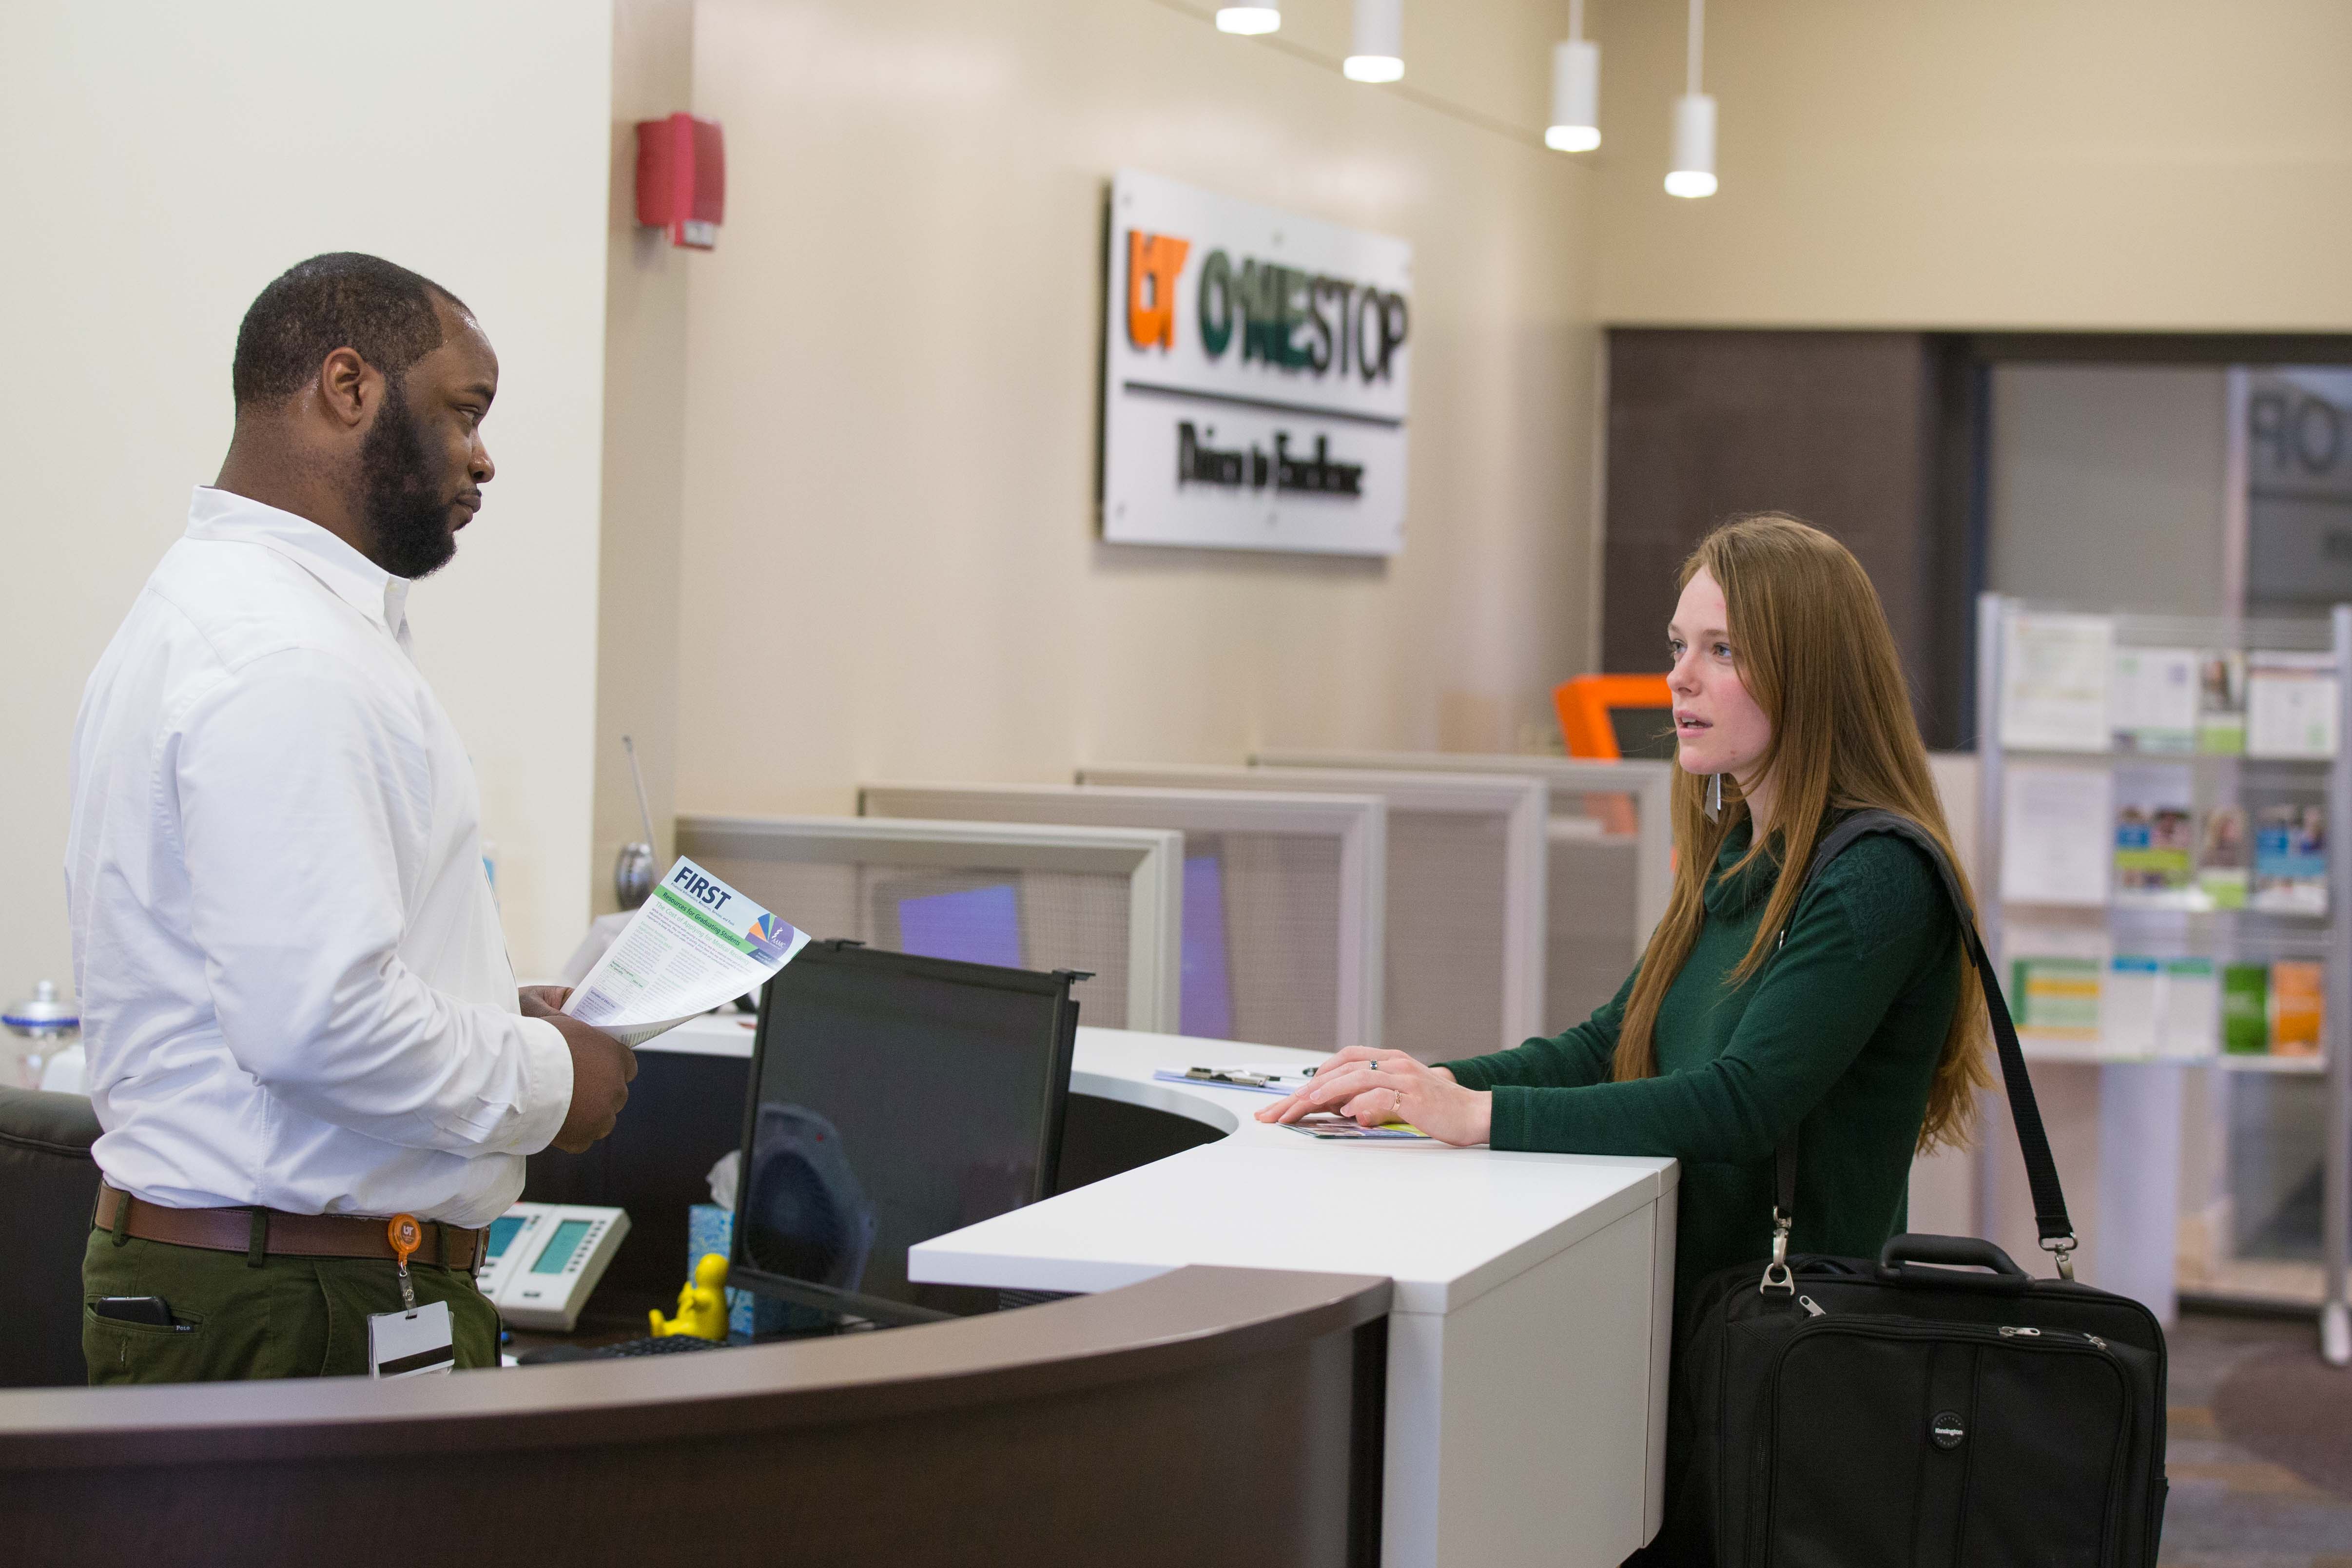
pixel 1379 53
pixel 1693 170
pixel 1261 18
pixel 1575 88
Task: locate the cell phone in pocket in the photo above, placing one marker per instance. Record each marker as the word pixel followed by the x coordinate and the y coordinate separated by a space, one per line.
pixel 153 1311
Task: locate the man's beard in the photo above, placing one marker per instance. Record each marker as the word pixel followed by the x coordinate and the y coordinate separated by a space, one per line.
pixel 407 515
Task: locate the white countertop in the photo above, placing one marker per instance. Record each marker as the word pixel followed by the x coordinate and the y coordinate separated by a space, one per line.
pixel 1446 1224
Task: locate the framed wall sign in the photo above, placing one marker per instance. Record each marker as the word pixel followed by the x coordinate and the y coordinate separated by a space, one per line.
pixel 1256 367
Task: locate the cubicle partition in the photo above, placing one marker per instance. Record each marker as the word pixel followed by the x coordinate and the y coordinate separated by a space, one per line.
pixel 1282 901
pixel 1465 889
pixel 1208 1416
pixel 1609 857
pixel 1104 900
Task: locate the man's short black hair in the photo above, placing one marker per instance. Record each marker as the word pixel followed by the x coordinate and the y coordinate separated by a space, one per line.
pixel 341 301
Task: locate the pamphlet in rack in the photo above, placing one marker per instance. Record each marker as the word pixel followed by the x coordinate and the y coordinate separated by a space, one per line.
pixel 2057 669
pixel 2058 833
pixel 2155 839
pixel 2298 1001
pixel 2223 857
pixel 2291 861
pixel 2221 701
pixel 2057 998
pixel 2153 699
pixel 2291 706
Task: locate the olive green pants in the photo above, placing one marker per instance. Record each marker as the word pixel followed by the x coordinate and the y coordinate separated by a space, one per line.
pixel 287 1317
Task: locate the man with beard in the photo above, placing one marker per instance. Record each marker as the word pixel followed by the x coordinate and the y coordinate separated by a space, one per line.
pixel 306 1047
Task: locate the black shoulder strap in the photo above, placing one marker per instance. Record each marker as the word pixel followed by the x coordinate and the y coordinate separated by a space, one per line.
pixel 2041 1169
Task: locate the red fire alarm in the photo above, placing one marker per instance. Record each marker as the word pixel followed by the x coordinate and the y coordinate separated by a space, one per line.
pixel 682 179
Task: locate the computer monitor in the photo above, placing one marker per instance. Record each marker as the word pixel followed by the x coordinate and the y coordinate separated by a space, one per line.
pixel 893 1098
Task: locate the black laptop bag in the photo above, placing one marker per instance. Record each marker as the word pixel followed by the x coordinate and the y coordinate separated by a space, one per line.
pixel 1908 1409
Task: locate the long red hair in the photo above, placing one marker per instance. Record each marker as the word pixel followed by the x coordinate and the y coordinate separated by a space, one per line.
pixel 1814 650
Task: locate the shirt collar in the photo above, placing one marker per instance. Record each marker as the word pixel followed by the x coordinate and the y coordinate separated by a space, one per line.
pixel 349 575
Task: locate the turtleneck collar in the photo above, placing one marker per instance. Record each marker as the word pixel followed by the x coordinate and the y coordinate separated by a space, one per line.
pixel 1729 896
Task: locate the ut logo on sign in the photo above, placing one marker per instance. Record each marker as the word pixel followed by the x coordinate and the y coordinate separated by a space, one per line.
pixel 1153 262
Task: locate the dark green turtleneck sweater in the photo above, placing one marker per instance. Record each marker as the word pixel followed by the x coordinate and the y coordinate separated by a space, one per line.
pixel 1837 1036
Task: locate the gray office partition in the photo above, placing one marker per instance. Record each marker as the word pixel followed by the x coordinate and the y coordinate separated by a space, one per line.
pixel 1466 865
pixel 1283 899
pixel 1612 866
pixel 1105 900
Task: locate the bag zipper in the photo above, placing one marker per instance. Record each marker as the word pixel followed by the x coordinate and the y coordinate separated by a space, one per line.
pixel 2006 1336
pixel 1813 1308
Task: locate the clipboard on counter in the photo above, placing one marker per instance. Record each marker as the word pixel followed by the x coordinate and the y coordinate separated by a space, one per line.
pixel 1259 1080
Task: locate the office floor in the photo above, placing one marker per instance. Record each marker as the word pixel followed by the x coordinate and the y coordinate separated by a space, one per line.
pixel 2261 1447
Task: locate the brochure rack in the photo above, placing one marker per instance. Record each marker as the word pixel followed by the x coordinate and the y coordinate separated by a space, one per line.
pixel 2134 922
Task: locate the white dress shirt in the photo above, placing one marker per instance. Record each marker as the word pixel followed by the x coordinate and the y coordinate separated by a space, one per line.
pixel 295 993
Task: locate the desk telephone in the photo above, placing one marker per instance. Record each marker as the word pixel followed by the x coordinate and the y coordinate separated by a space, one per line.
pixel 541 1260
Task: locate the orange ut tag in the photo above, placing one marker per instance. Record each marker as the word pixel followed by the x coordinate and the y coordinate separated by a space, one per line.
pixel 406 1236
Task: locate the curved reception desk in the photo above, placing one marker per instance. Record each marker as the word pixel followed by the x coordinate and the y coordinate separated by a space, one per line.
pixel 1208 1416
pixel 1274 1351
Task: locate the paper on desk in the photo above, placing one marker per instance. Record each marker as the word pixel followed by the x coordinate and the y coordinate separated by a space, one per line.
pixel 1340 1127
pixel 695 944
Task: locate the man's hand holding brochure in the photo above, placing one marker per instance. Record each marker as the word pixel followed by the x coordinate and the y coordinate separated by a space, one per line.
pixel 696 944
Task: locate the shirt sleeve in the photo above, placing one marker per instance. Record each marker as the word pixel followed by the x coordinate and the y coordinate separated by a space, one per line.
pixel 1819 1001
pixel 1581 1055
pixel 304 806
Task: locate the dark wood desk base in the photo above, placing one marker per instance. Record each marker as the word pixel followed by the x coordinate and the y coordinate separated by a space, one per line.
pixel 1207 1417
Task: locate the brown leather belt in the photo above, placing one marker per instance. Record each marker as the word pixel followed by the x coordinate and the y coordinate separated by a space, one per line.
pixel 268 1232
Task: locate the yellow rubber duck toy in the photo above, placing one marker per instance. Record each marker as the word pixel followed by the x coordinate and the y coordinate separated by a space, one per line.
pixel 701 1304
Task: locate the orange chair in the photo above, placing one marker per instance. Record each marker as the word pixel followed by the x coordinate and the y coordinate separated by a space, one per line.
pixel 1598 712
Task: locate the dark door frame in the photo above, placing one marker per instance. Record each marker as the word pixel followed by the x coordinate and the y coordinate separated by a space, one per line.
pixel 1959 514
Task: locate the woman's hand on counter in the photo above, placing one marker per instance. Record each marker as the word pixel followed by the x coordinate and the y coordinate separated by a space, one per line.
pixel 1370 1087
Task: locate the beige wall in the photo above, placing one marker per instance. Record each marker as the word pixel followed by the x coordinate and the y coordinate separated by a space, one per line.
pixel 167 161
pixel 644 453
pixel 844 489
pixel 890 561
pixel 2101 164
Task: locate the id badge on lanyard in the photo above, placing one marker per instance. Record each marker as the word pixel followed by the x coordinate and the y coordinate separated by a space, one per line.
pixel 415 1340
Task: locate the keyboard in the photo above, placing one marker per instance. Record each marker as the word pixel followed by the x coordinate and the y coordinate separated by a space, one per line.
pixel 672 1344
